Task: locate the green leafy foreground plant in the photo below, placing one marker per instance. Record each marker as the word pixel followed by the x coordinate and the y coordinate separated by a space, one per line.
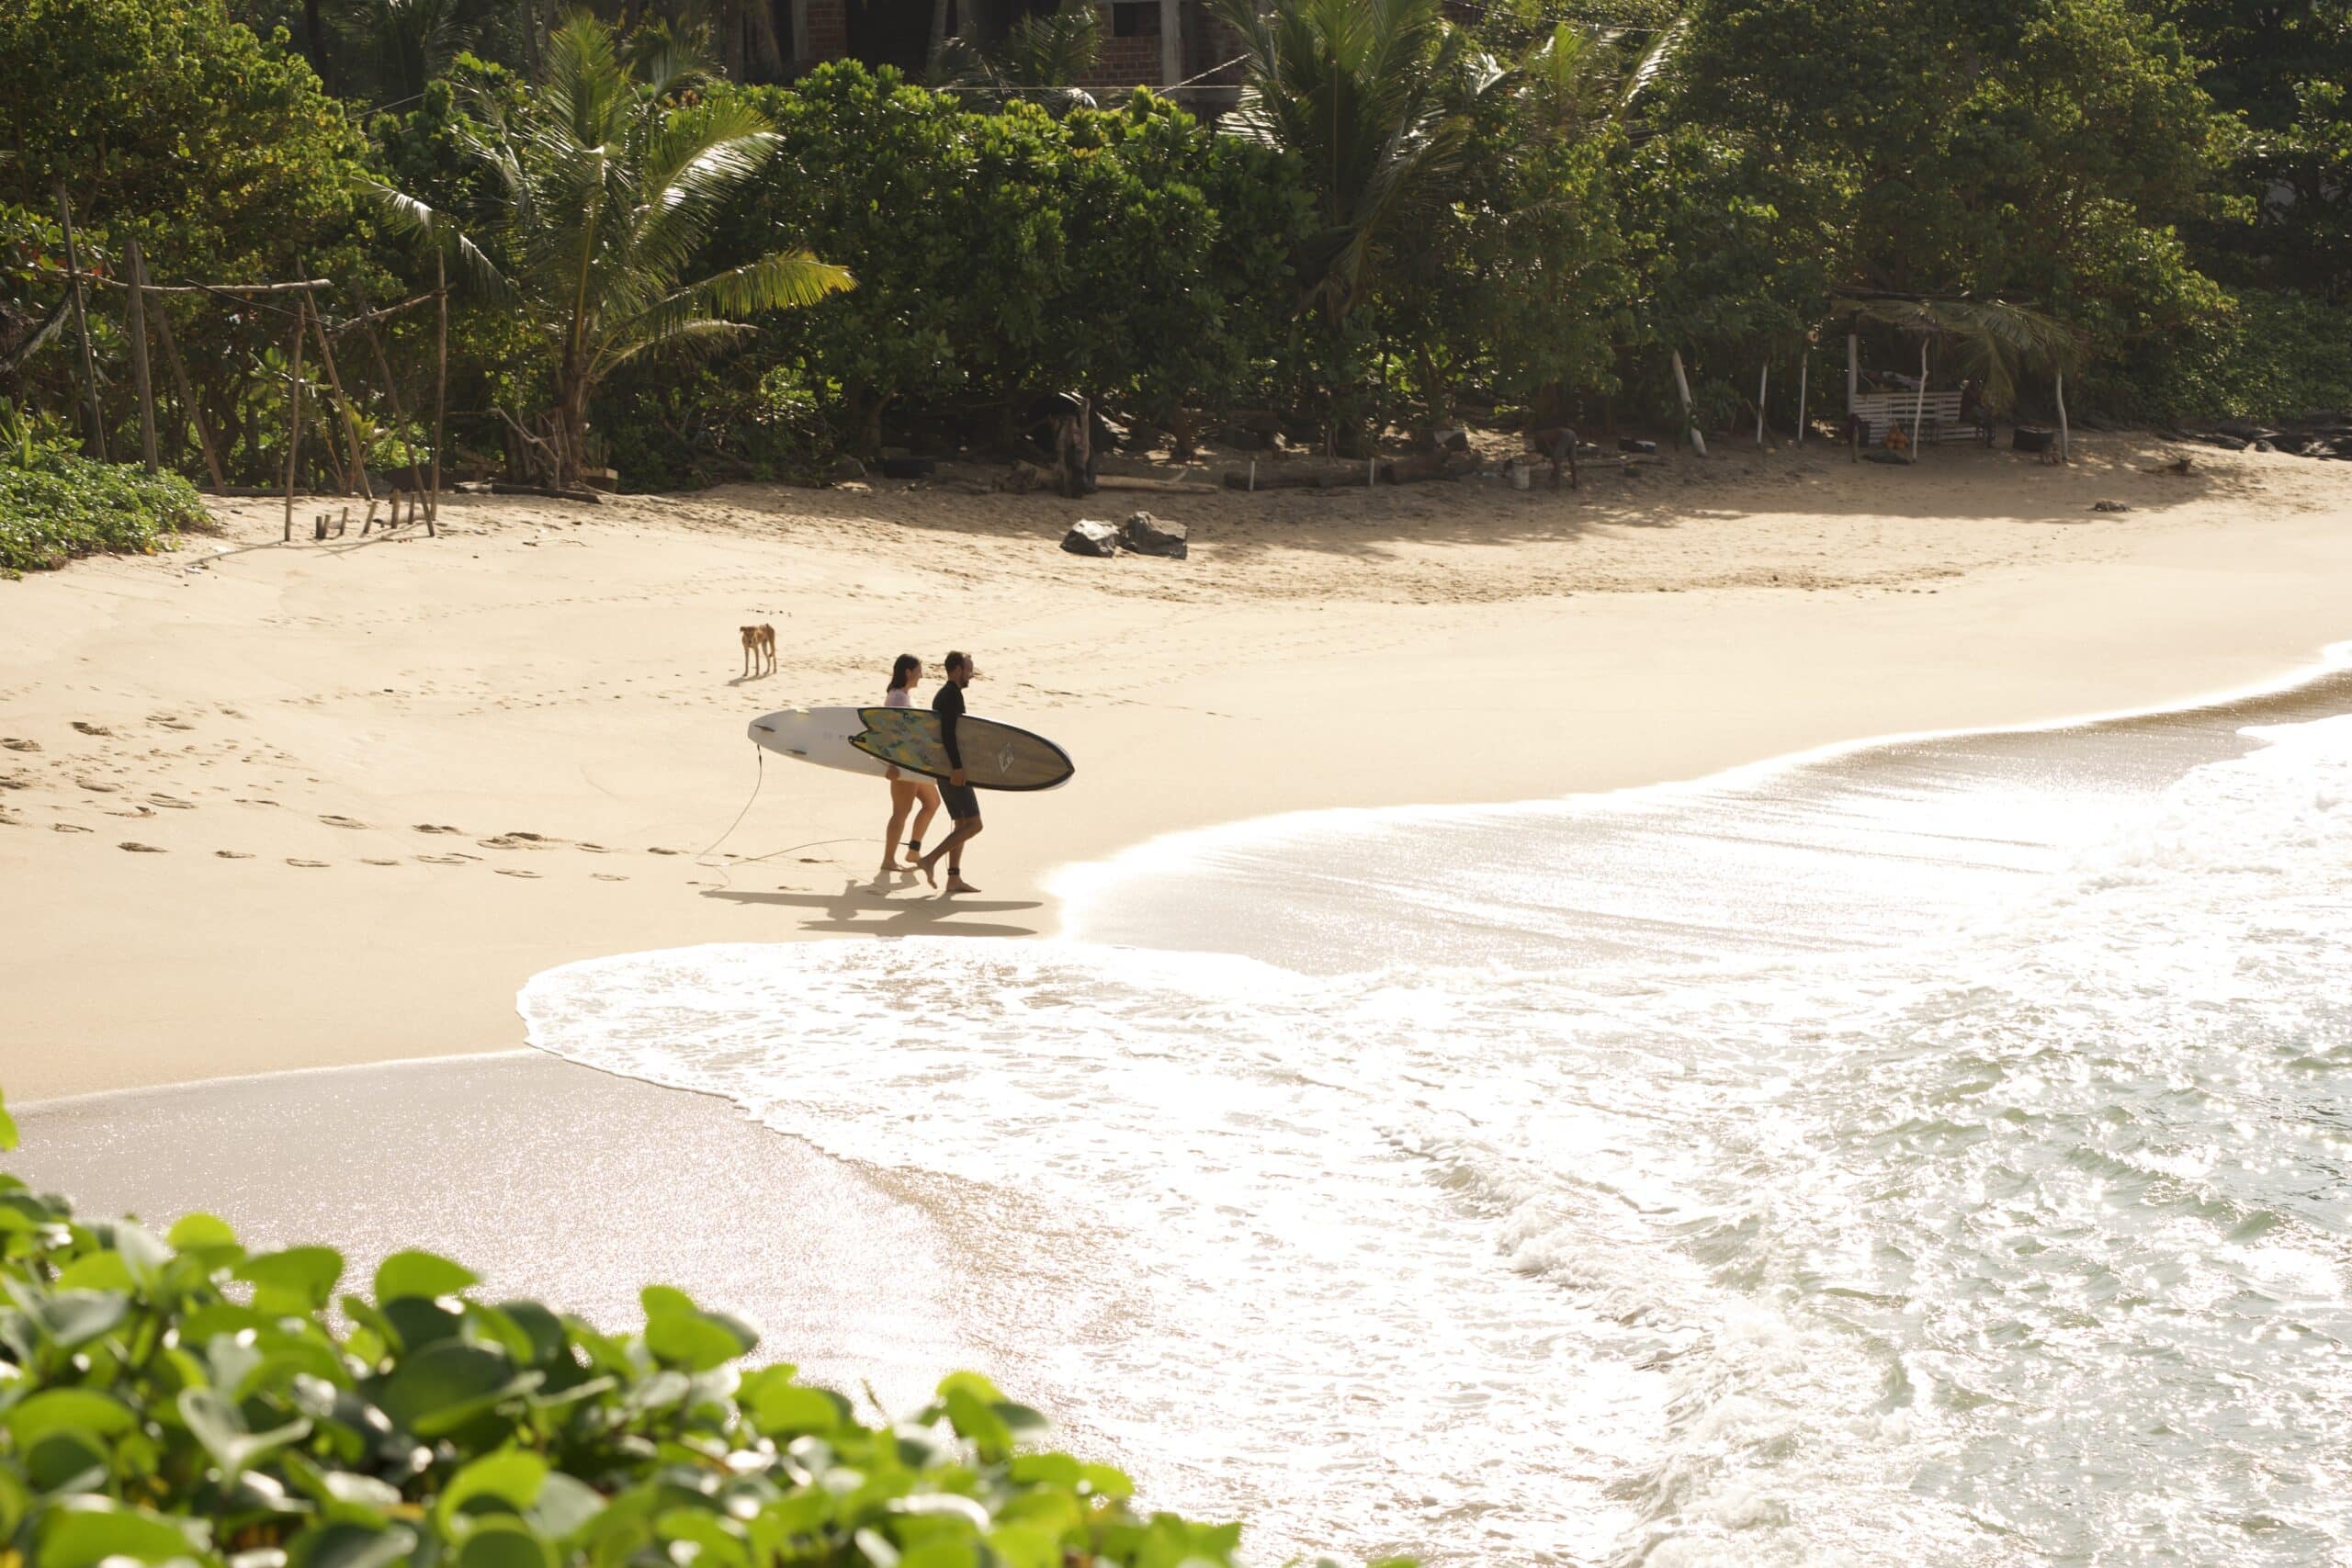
pixel 179 1400
pixel 55 505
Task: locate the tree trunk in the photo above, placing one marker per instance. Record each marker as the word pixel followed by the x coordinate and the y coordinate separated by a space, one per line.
pixel 314 42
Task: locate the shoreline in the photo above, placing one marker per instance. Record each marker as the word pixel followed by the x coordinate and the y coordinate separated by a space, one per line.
pixel 1069 884
pixel 557 675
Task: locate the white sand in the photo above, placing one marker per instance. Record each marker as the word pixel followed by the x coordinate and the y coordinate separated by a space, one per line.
pixel 279 725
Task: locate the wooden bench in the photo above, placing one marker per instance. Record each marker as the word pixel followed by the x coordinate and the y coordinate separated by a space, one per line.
pixel 1881 411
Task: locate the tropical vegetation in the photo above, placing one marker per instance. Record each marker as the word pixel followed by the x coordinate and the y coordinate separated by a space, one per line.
pixel 176 1398
pixel 674 250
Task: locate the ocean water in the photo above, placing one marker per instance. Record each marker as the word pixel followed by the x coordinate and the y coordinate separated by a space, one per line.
pixel 1933 1152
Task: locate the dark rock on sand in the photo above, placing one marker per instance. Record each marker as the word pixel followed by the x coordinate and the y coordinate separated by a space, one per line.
pixel 1088 537
pixel 1149 536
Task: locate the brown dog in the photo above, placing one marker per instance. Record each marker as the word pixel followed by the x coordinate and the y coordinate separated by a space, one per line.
pixel 759 648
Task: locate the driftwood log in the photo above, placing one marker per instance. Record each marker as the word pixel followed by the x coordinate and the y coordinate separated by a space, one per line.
pixel 1447 463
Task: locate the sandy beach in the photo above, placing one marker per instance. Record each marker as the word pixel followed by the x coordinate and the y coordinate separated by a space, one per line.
pixel 280 807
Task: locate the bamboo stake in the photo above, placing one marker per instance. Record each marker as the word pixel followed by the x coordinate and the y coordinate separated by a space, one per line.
pixel 1682 385
pixel 187 393
pixel 1919 411
pixel 97 437
pixel 2066 446
pixel 1762 382
pixel 1804 377
pixel 440 386
pixel 294 411
pixel 139 375
pixel 343 410
pixel 391 388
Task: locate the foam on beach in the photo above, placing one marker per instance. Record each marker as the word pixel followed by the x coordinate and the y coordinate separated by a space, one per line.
pixel 1926 1150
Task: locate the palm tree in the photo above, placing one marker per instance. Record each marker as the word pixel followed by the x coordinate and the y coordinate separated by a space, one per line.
pixel 1370 96
pixel 1042 56
pixel 607 188
pixel 395 47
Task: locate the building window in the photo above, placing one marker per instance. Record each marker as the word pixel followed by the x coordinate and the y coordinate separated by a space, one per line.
pixel 1134 18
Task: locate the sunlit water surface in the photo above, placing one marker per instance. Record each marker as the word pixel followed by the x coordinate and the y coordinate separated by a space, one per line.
pixel 1932 1153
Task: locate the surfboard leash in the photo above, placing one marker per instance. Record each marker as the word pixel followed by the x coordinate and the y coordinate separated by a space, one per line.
pixel 723 867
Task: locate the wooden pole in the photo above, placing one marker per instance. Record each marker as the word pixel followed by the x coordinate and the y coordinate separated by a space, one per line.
pixel 139 378
pixel 294 408
pixel 1172 42
pixel 1853 369
pixel 95 438
pixel 1805 378
pixel 1762 382
pixel 179 379
pixel 343 412
pixel 391 389
pixel 440 388
pixel 1919 411
pixel 1682 386
pixel 2066 446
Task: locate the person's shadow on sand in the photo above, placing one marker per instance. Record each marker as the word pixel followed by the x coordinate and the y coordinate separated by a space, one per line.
pixel 857 908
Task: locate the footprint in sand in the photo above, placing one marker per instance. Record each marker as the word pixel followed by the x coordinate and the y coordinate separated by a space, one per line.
pixel 135 847
pixel 515 870
pixel 97 786
pixel 594 849
pixel 14 781
pixel 313 865
pixel 87 727
pixel 443 859
pixel 67 828
pixel 607 876
pixel 169 721
pixel 334 821
pixel 171 802
pixel 232 854
pixel 13 744
pixel 440 828
pixel 654 852
pixel 366 860
pixel 135 812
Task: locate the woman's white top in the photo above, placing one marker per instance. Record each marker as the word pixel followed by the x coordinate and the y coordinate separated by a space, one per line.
pixel 897 698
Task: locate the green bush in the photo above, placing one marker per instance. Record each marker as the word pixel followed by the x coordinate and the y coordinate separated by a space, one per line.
pixel 178 1400
pixel 55 505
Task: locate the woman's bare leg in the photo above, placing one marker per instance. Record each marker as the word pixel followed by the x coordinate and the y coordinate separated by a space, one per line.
pixel 903 799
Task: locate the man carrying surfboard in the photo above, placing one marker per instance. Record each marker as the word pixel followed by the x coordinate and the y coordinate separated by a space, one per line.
pixel 962 801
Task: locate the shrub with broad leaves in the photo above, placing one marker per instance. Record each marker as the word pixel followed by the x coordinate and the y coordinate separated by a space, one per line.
pixel 175 1399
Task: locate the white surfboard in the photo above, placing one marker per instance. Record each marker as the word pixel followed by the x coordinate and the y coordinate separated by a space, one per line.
pixel 820 735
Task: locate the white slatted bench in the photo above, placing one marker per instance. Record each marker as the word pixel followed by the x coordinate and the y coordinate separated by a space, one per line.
pixel 1882 409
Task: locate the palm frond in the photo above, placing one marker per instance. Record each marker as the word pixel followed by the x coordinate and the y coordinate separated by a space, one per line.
pixel 405 216
pixel 1653 62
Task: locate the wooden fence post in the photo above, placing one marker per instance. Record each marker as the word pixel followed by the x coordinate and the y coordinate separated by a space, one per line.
pixel 1682 386
pixel 95 438
pixel 294 407
pixel 180 378
pixel 1919 410
pixel 343 412
pixel 440 386
pixel 1805 378
pixel 2065 447
pixel 391 388
pixel 139 377
pixel 1762 382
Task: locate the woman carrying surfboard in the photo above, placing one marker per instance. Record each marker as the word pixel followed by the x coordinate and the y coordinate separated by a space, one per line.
pixel 906 793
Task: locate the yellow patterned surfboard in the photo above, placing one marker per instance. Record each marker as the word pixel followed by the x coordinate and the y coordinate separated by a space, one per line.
pixel 996 756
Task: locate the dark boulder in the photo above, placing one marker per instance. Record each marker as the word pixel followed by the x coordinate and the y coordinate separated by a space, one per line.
pixel 1149 536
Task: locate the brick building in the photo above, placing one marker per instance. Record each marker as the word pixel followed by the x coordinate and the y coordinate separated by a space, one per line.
pixel 1156 43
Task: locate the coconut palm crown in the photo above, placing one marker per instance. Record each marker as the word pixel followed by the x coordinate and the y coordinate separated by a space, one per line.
pixel 607 183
